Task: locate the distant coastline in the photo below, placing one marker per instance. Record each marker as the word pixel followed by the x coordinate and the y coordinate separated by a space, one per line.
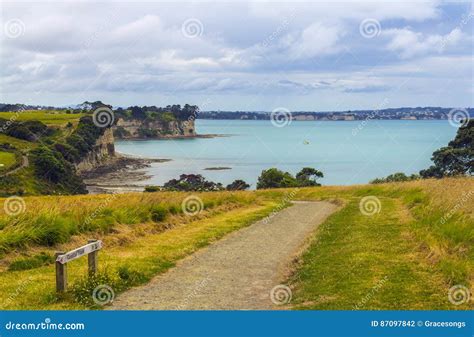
pixel 419 113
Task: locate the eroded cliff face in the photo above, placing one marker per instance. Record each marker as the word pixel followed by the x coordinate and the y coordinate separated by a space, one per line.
pixel 135 128
pixel 103 150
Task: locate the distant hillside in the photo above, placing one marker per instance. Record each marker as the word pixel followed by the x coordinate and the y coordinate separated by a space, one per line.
pixel 423 113
pixel 43 151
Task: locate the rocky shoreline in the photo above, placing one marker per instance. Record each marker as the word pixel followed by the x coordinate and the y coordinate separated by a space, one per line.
pixel 119 174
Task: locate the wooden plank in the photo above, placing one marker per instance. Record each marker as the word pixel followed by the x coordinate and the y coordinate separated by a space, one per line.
pixel 92 260
pixel 77 253
pixel 61 275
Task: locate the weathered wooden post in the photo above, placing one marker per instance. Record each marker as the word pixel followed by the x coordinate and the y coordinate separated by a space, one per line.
pixel 92 260
pixel 63 258
pixel 61 274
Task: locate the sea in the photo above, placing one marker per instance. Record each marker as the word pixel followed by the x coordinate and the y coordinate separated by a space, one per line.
pixel 347 152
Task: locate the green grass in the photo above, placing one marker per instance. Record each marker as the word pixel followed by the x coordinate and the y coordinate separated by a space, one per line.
pixel 7 160
pixel 127 260
pixel 403 257
pixel 17 143
pixel 400 258
pixel 47 117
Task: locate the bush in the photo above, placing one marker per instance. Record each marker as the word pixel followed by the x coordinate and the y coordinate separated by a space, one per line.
pixel 237 185
pixel 83 289
pixel 158 213
pixel 152 188
pixel 192 182
pixel 396 177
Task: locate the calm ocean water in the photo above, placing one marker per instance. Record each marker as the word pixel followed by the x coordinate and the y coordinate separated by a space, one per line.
pixel 346 152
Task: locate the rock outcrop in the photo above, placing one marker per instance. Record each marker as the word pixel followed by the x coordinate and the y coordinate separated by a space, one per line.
pixel 139 129
pixel 102 150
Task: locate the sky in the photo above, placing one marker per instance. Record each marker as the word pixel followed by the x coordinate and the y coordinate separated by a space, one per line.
pixel 235 55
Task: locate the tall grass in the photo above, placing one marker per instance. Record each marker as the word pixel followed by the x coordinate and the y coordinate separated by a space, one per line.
pixel 47 221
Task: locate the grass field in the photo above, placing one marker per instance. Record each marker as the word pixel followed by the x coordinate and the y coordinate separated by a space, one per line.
pixel 404 255
pixel 17 143
pixel 47 117
pixel 7 160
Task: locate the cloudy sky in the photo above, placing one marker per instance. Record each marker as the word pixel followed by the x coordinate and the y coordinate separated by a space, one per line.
pixel 239 55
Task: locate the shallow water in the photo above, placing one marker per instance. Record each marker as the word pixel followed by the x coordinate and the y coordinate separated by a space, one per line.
pixel 347 152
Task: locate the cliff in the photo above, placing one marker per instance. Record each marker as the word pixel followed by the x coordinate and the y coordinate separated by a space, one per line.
pixel 153 128
pixel 102 150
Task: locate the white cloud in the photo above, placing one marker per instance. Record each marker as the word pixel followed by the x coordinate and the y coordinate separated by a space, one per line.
pixel 280 49
pixel 409 43
pixel 316 40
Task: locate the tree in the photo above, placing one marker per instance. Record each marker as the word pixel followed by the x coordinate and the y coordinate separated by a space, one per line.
pixel 237 185
pixel 192 182
pixel 455 159
pixel 395 177
pixel 308 176
pixel 274 178
pixel 138 112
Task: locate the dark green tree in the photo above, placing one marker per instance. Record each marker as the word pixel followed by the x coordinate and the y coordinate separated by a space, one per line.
pixel 455 159
pixel 237 185
pixel 274 178
pixel 308 176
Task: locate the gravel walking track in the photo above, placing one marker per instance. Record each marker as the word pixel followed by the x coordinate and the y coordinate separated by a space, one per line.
pixel 237 272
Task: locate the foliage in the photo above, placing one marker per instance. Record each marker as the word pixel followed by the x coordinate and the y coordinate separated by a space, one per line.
pixel 192 182
pixel 152 188
pixel 82 290
pixel 50 165
pixel 395 177
pixel 164 114
pixel 84 137
pixel 308 176
pixel 274 178
pixel 455 159
pixel 158 213
pixel 27 130
pixel 237 185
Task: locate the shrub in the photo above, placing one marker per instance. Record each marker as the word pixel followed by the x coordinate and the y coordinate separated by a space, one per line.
pixel 396 177
pixel 237 185
pixel 192 182
pixel 83 289
pixel 158 213
pixel 152 188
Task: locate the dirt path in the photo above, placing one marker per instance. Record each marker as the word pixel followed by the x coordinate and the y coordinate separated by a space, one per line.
pixel 237 272
pixel 24 163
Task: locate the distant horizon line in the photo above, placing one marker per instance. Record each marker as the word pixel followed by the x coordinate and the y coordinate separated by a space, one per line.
pixel 72 106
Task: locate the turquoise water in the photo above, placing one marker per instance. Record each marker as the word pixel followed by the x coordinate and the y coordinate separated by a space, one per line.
pixel 346 152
